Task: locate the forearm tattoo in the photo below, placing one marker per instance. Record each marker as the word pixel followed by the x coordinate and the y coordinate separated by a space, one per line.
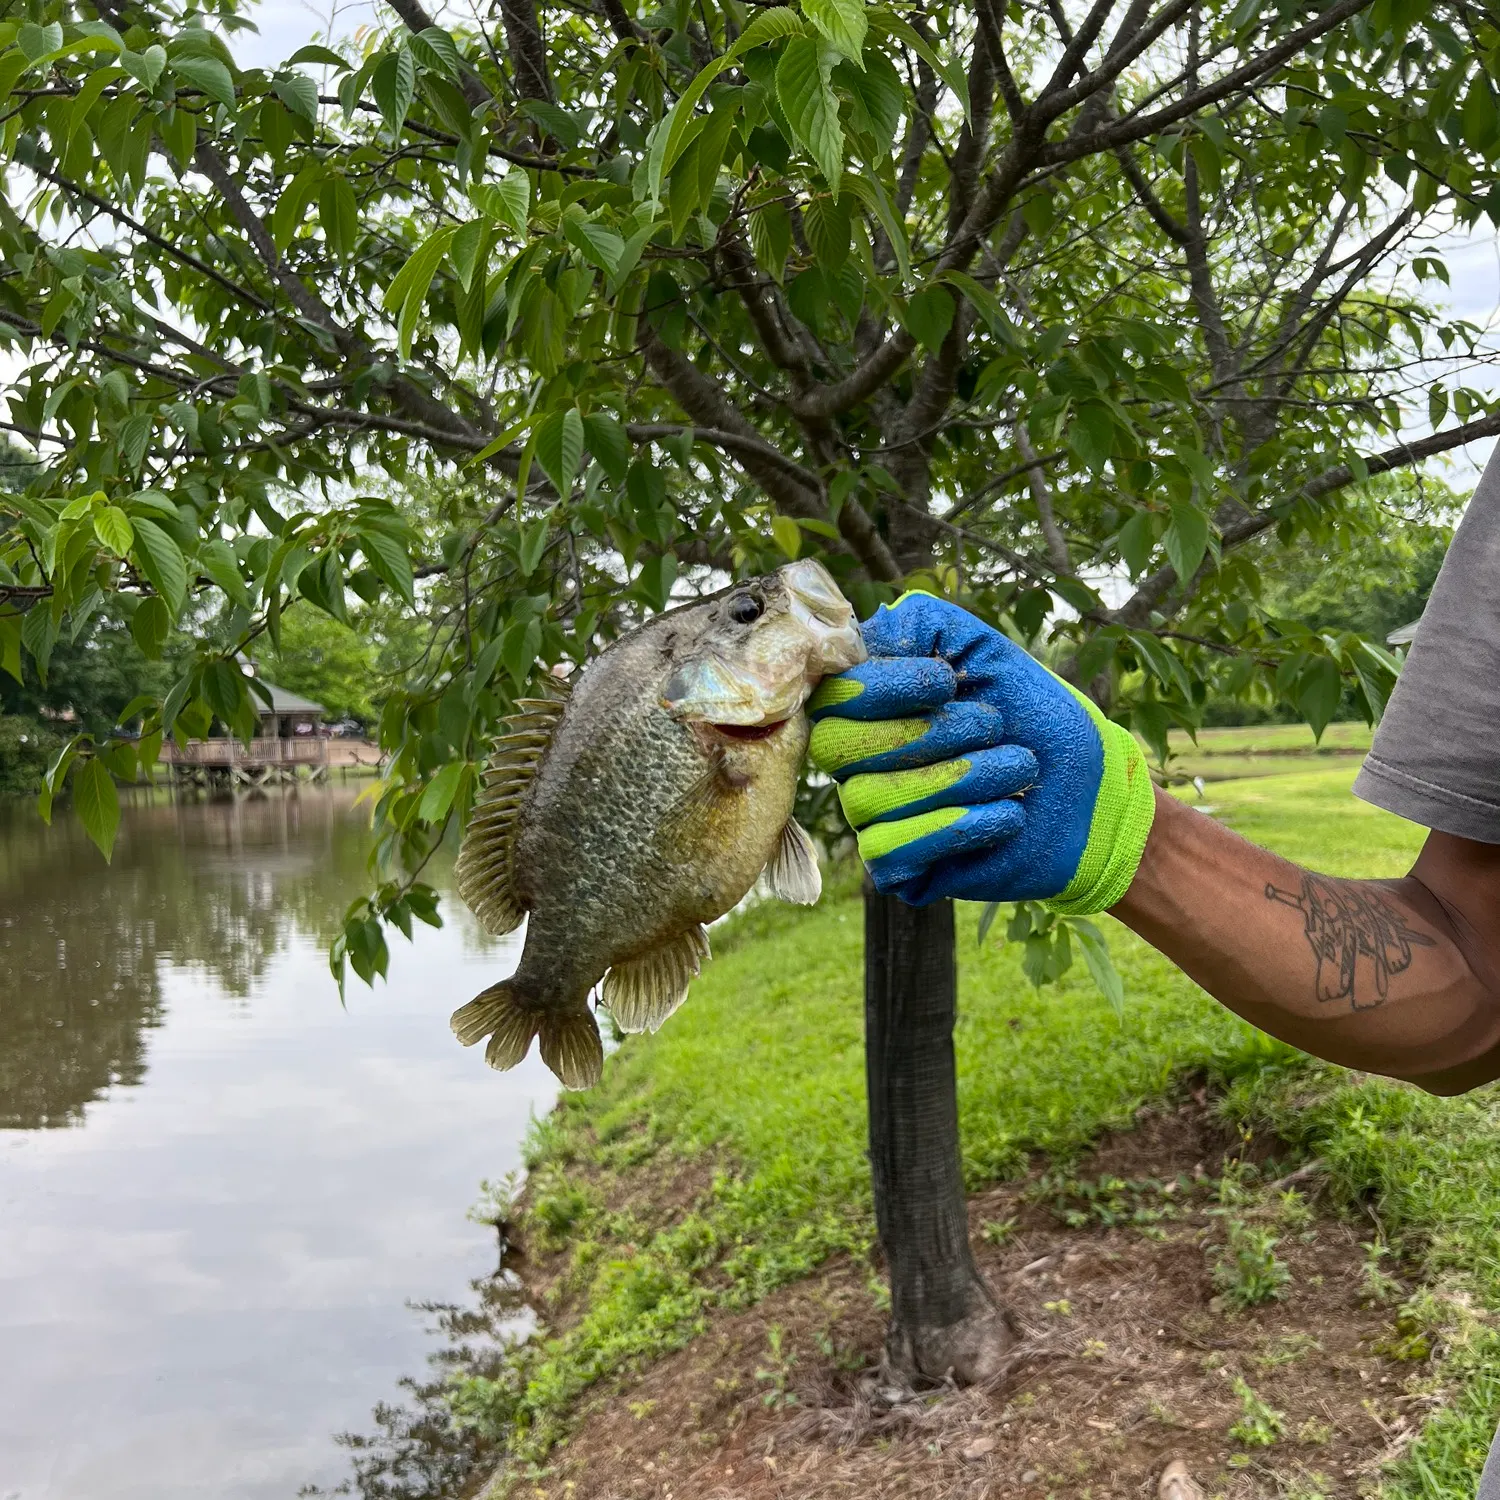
pixel 1345 922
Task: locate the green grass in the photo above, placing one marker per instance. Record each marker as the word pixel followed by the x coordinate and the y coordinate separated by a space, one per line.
pixel 763 1069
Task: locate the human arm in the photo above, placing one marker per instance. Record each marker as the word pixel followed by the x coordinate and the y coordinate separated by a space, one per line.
pixel 1400 977
pixel 1393 976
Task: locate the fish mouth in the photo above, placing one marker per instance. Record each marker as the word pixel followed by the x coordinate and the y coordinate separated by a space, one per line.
pixel 747 732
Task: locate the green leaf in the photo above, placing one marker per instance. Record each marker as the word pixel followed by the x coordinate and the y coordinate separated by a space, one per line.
pixel 810 105
pixel 97 804
pixel 842 22
pixel 394 85
pixel 1319 688
pixel 929 316
pixel 466 249
pixel 408 289
pixel 557 122
pixel 788 535
pixel 951 73
pixel 150 625
pixel 323 56
pixel 208 75
pixel 1091 435
pixel 987 918
pixel 600 246
pixel 299 93
pixel 38 42
pixel 1186 538
pixel 559 448
pixel 1137 539
pixel 390 559
pixel 510 201
pixel 879 95
pixel 868 190
pixel 434 48
pixel 1101 964
pixel 532 544
pixel 771 239
pixel 607 440
pixel 338 213
pixel 829 231
pixel 145 67
pixel 160 559
pixel 112 527
pixel 438 796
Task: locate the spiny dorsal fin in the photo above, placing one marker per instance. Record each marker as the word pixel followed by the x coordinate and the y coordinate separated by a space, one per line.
pixel 485 873
pixel 792 872
pixel 643 991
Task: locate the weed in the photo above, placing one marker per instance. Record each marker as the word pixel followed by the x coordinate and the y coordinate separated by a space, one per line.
pixel 1287 1350
pixel 1110 1201
pixel 998 1231
pixel 497 1200
pixel 776 1373
pixel 1306 1485
pixel 1314 1433
pixel 1293 1211
pixel 559 1207
pixel 1377 1286
pixel 1248 1271
pixel 1260 1425
pixel 848 1359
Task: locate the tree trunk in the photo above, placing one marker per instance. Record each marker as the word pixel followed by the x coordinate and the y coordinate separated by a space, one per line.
pixel 944 1319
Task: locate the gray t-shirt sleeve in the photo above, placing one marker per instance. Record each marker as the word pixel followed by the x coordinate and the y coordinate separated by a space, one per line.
pixel 1436 755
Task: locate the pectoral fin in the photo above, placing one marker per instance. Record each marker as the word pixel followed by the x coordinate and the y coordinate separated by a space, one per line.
pixel 643 991
pixel 792 872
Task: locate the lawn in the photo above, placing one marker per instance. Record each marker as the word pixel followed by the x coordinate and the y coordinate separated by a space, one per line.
pixel 724 1157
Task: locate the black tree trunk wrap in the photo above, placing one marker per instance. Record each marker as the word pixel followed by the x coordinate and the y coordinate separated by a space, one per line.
pixel 944 1320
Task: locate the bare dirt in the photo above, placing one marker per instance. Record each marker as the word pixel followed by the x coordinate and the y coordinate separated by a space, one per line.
pixel 1129 1359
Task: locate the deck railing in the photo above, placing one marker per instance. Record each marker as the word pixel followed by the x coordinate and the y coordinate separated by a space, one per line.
pixel 309 751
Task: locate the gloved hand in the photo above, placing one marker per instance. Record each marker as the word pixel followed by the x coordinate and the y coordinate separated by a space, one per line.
pixel 971 771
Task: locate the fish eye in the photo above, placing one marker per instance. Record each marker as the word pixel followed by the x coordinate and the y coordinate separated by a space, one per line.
pixel 745 609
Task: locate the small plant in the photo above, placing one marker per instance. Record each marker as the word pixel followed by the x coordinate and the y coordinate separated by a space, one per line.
pixel 1110 1201
pixel 497 1200
pixel 1062 1307
pixel 1287 1350
pixel 1293 1211
pixel 848 1359
pixel 1314 1433
pixel 1378 1287
pixel 1260 1424
pixel 559 1207
pixel 777 1371
pixel 1248 1270
pixel 998 1231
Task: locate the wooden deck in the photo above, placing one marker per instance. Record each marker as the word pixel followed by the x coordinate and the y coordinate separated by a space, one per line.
pixel 262 762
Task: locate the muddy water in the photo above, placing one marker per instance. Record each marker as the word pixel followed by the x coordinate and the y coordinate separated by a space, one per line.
pixel 218 1189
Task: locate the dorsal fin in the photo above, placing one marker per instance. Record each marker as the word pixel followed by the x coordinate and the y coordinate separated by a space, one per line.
pixel 485 872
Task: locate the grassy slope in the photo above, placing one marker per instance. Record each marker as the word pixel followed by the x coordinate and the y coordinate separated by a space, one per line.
pixel 764 1070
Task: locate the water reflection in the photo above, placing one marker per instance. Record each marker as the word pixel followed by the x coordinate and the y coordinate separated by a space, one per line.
pixel 205 1277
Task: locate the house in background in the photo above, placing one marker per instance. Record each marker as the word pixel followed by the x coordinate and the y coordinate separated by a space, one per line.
pixel 290 747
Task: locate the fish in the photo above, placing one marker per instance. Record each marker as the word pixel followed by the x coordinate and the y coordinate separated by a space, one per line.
pixel 619 818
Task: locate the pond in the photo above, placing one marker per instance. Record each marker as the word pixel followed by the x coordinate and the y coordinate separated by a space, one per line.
pixel 219 1190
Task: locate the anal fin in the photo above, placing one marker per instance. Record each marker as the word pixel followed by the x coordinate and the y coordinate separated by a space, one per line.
pixel 792 871
pixel 643 991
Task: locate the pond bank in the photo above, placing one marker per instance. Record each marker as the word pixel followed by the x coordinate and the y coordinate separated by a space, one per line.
pixel 698 1242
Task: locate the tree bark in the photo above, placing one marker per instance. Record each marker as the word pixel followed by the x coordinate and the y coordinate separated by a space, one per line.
pixel 945 1322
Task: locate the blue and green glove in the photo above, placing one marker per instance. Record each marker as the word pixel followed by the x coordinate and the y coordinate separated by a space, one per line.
pixel 971 771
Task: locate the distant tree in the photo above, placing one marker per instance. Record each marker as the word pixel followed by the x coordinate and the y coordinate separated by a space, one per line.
pixel 331 663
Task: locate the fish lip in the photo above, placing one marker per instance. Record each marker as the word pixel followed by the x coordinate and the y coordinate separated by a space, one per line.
pixel 745 733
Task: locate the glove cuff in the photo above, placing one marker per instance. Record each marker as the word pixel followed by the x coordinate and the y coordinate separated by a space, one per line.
pixel 1121 823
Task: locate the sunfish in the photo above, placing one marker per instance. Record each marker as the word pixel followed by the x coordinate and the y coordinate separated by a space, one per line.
pixel 625 816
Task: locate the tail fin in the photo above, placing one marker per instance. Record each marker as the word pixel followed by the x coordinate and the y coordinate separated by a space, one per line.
pixel 570 1038
pixel 496 1014
pixel 571 1047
